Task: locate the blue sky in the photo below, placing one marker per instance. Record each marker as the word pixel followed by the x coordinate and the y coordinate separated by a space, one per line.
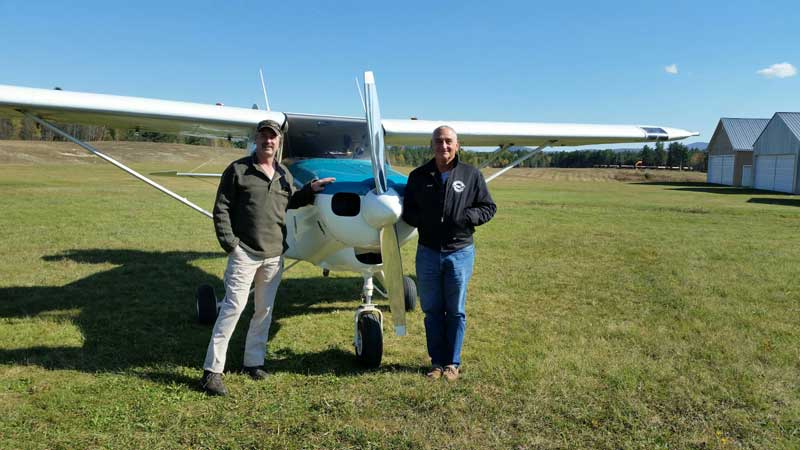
pixel 567 61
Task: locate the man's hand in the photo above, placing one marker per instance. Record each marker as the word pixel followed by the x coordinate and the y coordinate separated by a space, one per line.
pixel 319 185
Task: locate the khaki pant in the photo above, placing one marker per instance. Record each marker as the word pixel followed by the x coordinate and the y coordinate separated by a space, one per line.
pixel 242 268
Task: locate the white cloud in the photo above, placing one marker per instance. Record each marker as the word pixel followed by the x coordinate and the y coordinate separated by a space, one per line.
pixel 782 70
pixel 672 69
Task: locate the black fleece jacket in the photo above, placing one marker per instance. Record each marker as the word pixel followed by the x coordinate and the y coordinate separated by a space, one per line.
pixel 446 214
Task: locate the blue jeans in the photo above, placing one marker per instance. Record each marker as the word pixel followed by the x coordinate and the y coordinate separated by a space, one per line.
pixel 442 278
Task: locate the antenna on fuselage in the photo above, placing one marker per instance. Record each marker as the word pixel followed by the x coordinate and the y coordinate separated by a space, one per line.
pixel 263 87
pixel 358 88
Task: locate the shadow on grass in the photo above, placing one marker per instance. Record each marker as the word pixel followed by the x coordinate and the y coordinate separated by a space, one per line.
pixel 677 183
pixel 141 314
pixel 708 188
pixel 326 362
pixel 775 201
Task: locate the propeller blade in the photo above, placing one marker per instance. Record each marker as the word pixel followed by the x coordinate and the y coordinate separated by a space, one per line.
pixel 390 247
pixel 393 277
pixel 375 129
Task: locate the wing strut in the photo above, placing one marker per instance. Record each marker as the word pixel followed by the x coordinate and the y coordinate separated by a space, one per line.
pixel 119 165
pixel 518 161
pixel 493 156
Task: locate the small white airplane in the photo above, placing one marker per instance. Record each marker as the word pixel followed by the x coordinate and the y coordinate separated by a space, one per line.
pixel 355 224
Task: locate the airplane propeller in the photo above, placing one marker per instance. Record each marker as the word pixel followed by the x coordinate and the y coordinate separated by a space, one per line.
pixel 382 209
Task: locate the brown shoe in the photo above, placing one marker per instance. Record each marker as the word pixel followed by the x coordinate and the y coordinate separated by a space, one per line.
pixel 435 373
pixel 451 373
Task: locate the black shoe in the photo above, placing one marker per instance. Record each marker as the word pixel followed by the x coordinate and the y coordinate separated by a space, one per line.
pixel 256 372
pixel 212 384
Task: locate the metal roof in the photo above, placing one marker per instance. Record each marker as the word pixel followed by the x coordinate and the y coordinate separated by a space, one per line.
pixel 792 120
pixel 744 132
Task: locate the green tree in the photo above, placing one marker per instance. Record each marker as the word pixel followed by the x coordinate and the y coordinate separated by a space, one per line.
pixel 29 130
pixel 660 155
pixel 697 160
pixel 677 155
pixel 648 156
pixel 7 129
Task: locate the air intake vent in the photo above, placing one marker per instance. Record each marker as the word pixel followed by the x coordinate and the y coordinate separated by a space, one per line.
pixel 346 204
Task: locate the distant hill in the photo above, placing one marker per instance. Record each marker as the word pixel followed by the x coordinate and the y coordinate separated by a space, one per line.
pixel 698 145
pixel 626 150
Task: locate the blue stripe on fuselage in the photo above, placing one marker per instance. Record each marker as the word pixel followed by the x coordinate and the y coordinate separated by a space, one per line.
pixel 352 175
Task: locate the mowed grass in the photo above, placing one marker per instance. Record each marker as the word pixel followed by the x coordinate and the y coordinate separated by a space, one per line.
pixel 647 313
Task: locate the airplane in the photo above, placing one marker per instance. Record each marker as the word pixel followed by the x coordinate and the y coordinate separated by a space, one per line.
pixel 355 224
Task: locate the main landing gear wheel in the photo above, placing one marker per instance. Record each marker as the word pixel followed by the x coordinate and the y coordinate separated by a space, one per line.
pixel 410 293
pixel 369 341
pixel 206 302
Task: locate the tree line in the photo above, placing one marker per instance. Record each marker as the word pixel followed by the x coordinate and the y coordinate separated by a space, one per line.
pixel 674 155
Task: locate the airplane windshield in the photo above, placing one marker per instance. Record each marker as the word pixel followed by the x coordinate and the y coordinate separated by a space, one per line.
pixel 326 137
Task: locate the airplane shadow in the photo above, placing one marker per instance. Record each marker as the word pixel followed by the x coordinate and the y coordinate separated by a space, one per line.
pixel 140 315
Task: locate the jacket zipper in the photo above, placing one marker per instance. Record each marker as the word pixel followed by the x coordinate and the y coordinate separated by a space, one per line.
pixel 444 201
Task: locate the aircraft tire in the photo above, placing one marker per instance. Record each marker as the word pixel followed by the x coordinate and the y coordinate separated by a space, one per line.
pixel 371 337
pixel 410 293
pixel 206 301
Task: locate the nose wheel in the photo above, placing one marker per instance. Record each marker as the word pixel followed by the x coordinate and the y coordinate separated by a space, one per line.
pixel 368 339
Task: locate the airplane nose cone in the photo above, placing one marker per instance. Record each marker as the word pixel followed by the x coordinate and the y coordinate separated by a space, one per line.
pixel 381 210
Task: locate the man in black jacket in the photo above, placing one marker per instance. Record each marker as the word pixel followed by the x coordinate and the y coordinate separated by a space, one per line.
pixel 249 218
pixel 445 199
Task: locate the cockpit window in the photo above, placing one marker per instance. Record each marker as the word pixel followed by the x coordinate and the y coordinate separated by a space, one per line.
pixel 326 137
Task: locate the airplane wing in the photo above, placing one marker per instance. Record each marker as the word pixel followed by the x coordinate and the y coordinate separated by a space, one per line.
pixel 143 114
pixel 496 134
pixel 195 119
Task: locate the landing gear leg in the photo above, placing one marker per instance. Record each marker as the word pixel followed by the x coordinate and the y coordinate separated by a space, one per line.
pixel 368 339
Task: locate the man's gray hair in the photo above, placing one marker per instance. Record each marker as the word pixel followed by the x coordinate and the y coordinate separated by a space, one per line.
pixel 443 127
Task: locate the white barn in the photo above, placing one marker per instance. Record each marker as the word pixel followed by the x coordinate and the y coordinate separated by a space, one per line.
pixel 776 154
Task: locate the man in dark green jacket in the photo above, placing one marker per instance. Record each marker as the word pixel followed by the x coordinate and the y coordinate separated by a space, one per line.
pixel 249 218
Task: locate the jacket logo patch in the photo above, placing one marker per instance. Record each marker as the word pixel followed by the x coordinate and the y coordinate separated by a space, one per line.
pixel 458 186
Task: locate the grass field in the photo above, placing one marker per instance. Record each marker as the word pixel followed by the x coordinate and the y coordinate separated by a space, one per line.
pixel 608 309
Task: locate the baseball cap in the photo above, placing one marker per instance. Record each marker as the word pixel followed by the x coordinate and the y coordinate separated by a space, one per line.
pixel 271 124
